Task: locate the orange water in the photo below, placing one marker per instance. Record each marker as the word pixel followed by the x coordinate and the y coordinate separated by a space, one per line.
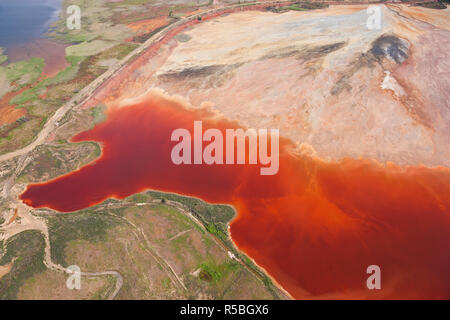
pixel 315 226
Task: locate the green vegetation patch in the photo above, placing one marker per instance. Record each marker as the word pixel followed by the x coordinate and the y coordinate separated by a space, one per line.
pixel 295 7
pixel 118 52
pixel 33 94
pixel 89 48
pixel 214 217
pixel 213 272
pixel 3 58
pixel 215 213
pixel 19 134
pixel 299 6
pixel 76 36
pixel 27 95
pixel 26 249
pixel 138 198
pixel 104 292
pixel 127 3
pixel 98 113
pixel 26 71
pixel 67 74
pixel 85 225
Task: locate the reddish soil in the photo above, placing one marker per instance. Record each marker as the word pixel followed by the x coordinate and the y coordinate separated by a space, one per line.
pixel 9 113
pixel 13 218
pixel 147 26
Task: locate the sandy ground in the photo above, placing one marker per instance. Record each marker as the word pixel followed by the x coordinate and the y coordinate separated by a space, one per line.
pixel 311 75
pixel 437 18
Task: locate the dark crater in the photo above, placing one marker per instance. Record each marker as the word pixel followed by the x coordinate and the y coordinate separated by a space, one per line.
pixel 391 47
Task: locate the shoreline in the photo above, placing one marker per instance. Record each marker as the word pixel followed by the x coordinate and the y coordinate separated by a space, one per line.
pixel 44 28
pixel 176 30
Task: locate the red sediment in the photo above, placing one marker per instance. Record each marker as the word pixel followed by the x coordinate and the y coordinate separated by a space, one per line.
pixel 14 216
pixel 9 113
pixel 53 53
pixel 315 226
pixel 149 25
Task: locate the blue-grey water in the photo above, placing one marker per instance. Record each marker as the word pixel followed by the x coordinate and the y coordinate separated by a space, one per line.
pixel 25 20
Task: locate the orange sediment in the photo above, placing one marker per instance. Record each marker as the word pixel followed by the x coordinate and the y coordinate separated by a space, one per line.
pixel 9 113
pixel 14 216
pixel 149 25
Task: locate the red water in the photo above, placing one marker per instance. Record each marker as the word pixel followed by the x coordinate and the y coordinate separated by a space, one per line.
pixel 315 227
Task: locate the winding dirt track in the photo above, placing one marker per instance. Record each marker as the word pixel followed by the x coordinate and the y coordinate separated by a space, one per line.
pixel 32 222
